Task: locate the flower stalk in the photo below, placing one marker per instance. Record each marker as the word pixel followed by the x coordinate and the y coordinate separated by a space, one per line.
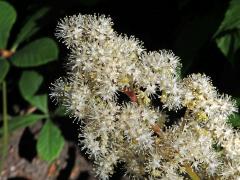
pixel 5 122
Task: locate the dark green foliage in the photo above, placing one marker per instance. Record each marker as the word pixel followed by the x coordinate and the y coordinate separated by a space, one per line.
pixel 36 53
pixel 50 142
pixel 7 19
pixel 4 68
pixel 23 121
pixel 228 34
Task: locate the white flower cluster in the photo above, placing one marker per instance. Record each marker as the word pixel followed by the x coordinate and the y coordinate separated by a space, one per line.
pixel 104 65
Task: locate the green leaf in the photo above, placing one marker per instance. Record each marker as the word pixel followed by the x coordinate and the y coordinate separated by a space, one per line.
pixel 224 44
pixel 229 44
pixel 40 101
pixel 7 19
pixel 4 68
pixel 22 121
pixel 37 53
pixel 234 120
pixel 232 18
pixel 50 142
pixel 29 28
pixel 29 83
pixel 228 34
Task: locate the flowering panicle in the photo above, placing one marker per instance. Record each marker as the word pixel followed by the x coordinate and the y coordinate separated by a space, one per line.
pixel 102 67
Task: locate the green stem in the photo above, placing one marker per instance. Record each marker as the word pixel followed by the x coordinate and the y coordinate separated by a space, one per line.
pixel 5 120
pixel 193 175
pixel 14 47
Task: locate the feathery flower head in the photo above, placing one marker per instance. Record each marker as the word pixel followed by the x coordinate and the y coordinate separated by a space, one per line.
pixel 102 67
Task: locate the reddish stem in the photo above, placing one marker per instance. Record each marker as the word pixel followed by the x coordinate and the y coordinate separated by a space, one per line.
pixel 5 53
pixel 131 94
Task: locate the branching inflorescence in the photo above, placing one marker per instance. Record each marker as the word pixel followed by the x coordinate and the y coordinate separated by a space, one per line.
pixel 104 65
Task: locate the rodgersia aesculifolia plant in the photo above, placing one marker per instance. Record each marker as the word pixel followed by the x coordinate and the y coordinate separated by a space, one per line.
pixel 103 67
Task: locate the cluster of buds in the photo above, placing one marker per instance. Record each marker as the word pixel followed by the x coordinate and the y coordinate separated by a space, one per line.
pixel 103 68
